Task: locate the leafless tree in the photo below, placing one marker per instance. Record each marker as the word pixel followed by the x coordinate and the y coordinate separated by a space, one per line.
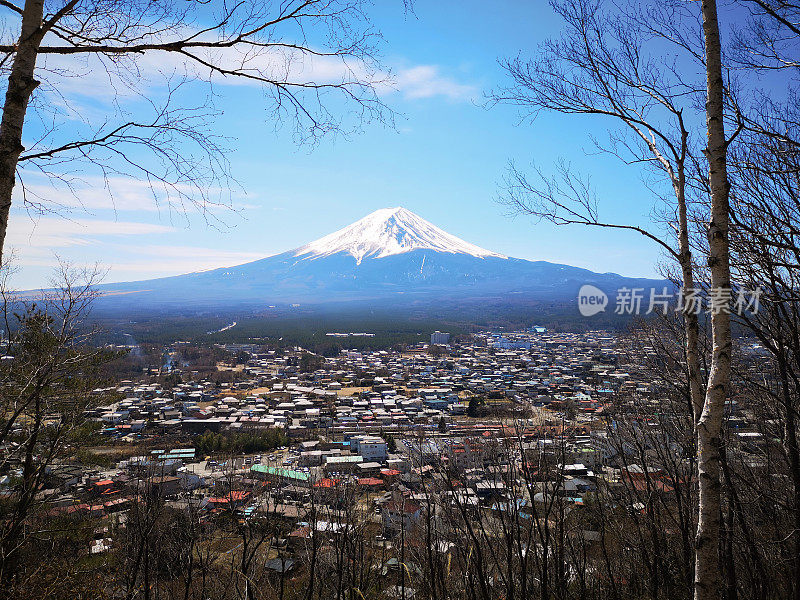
pixel 306 55
pixel 602 66
pixel 765 247
pixel 47 374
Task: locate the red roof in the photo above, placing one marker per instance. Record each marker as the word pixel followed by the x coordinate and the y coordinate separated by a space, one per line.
pixel 230 497
pixel 370 481
pixel 327 482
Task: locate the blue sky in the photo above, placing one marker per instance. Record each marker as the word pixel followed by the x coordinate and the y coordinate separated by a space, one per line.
pixel 445 160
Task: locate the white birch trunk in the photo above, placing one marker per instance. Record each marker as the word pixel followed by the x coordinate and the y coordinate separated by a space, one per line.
pixel 20 87
pixel 690 319
pixel 709 426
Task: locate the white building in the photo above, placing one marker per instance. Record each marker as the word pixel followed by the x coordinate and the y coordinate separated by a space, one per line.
pixel 371 448
pixel 440 339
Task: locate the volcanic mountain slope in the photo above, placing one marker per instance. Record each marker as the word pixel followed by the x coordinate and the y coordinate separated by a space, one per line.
pixel 391 254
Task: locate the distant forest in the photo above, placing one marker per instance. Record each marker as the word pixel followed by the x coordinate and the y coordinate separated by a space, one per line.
pixel 308 327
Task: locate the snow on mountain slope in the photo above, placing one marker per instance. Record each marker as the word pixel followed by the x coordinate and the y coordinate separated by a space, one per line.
pixel 386 232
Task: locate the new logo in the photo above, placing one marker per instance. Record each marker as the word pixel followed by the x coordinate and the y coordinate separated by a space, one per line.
pixel 591 300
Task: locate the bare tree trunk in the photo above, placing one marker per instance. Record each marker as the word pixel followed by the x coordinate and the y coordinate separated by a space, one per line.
pixel 707 564
pixel 20 87
pixel 690 319
pixel 793 458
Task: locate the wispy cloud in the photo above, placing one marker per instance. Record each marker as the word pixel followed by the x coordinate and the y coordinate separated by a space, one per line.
pixel 427 81
pixel 52 232
pixel 98 78
pixel 174 260
pixel 91 194
pixel 38 243
pixel 95 193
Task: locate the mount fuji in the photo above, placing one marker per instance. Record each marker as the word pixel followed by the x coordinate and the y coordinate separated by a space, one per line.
pixel 391 256
pixel 387 232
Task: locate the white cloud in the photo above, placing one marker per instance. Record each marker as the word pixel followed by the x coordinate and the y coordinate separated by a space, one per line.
pixel 174 260
pixel 42 242
pixel 137 75
pixel 94 193
pixel 126 194
pixel 52 232
pixel 427 81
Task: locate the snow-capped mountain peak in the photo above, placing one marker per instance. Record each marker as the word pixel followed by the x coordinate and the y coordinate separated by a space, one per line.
pixel 386 232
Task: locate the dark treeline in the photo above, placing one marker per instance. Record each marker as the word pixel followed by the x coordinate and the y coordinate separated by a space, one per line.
pixel 239 443
pixel 406 325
